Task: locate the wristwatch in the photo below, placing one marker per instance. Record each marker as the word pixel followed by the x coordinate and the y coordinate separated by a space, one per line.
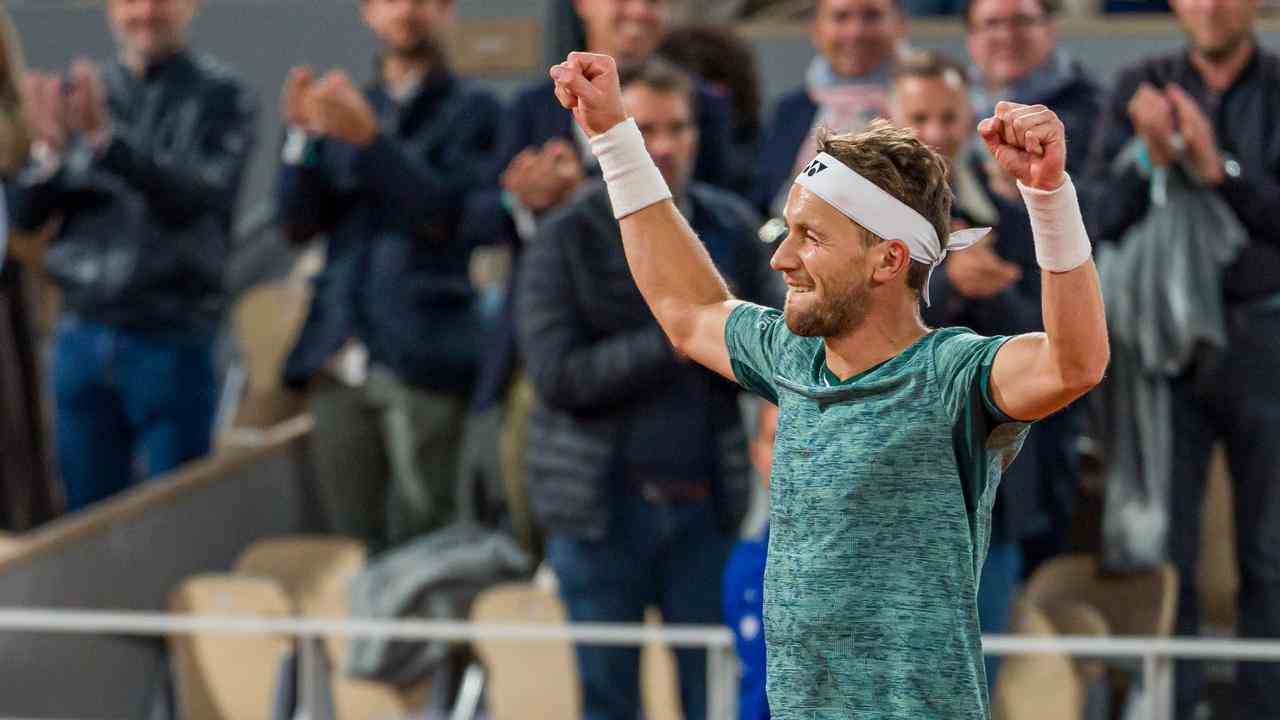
pixel 1230 167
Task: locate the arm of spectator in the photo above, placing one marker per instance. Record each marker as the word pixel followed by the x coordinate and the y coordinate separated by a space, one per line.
pixel 419 188
pixel 1113 200
pixel 571 370
pixel 180 187
pixel 307 204
pixel 37 195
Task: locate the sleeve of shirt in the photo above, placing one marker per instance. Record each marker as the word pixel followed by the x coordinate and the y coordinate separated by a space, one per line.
pixel 755 336
pixel 963 361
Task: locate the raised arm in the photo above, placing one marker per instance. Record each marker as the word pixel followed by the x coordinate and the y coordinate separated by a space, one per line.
pixel 1037 374
pixel 670 266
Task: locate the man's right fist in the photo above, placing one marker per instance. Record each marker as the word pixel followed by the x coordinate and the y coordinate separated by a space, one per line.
pixel 587 84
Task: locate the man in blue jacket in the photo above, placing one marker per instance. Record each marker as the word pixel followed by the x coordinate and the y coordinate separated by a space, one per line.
pixel 388 349
pixel 845 87
pixel 141 159
pixel 637 459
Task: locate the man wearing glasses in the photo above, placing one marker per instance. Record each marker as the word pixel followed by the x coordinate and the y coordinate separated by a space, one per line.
pixel 1013 46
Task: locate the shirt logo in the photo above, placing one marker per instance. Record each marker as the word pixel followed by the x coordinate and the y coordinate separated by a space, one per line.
pixel 814 168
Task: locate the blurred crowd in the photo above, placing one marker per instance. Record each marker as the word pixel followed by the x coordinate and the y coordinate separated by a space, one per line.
pixel 560 413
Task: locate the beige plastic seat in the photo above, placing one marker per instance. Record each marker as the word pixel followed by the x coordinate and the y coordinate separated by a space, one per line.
pixel 540 678
pixel 1080 619
pixel 659 681
pixel 315 572
pixel 1141 603
pixel 310 568
pixel 266 321
pixel 228 677
pixel 1043 686
pixel 1217 572
pixel 526 679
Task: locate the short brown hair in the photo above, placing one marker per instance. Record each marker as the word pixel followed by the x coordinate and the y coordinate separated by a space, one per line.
pixel 901 165
pixel 927 65
pixel 658 74
pixel 1050 8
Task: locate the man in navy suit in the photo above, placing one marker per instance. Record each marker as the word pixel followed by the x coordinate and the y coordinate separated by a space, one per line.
pixel 845 88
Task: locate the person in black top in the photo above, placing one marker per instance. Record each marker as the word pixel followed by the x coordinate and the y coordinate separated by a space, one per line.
pixel 140 161
pixel 388 349
pixel 1215 106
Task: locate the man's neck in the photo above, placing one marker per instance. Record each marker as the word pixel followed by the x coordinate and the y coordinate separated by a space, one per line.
pixel 883 335
pixel 1220 72
pixel 139 62
pixel 402 70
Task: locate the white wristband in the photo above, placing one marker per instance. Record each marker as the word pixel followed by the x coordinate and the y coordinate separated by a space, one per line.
pixel 634 182
pixel 1057 227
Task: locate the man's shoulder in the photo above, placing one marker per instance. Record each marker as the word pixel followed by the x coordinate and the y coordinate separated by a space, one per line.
pixel 1158 68
pixel 218 73
pixel 589 205
pixel 726 209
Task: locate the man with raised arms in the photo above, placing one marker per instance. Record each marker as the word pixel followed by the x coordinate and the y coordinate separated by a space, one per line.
pixel 892 437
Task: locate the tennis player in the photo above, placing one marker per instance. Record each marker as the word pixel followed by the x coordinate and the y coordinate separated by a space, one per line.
pixel 892 437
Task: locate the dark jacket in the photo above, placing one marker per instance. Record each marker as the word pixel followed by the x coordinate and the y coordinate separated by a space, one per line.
pixel 396 272
pixel 792 120
pixel 596 357
pixel 1246 122
pixel 534 118
pixel 1064 86
pixel 146 230
pixel 1040 484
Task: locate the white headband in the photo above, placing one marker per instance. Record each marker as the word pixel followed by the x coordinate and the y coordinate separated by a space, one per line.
pixel 882 214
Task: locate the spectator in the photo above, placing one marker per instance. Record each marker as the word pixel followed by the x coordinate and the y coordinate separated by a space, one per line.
pixel 388 350
pixel 1013 45
pixel 142 160
pixel 992 288
pixel 545 159
pixel 845 88
pixel 727 63
pixel 1213 108
pixel 637 459
pixel 743 585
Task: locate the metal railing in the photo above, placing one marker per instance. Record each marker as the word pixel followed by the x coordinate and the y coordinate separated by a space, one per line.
pixel 1155 653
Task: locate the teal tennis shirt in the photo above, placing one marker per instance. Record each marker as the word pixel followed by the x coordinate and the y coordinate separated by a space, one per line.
pixel 881 497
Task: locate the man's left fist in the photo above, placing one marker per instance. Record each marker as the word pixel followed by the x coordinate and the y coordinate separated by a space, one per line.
pixel 1029 142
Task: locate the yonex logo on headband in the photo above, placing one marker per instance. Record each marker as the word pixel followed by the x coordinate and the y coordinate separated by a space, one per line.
pixel 814 168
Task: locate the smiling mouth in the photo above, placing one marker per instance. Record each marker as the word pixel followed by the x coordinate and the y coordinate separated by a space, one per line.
pixel 799 290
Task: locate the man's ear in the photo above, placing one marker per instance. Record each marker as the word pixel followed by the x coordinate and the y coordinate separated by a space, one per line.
pixel 894 259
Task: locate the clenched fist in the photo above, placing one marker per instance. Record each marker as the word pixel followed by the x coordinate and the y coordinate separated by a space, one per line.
pixel 1029 142
pixel 587 84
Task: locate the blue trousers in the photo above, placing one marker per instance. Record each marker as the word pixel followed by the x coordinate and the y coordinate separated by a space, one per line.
pixel 128 405
pixel 1000 575
pixel 669 555
pixel 1235 400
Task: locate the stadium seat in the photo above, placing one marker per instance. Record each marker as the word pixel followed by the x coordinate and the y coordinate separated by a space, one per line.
pixel 308 567
pixel 540 679
pixel 227 677
pixel 525 678
pixel 315 571
pixel 1140 603
pixel 266 321
pixel 1043 686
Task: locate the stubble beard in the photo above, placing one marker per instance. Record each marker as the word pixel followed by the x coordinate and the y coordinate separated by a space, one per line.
pixel 836 315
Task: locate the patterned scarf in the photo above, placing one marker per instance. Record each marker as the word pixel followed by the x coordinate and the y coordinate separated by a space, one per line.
pixel 844 105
